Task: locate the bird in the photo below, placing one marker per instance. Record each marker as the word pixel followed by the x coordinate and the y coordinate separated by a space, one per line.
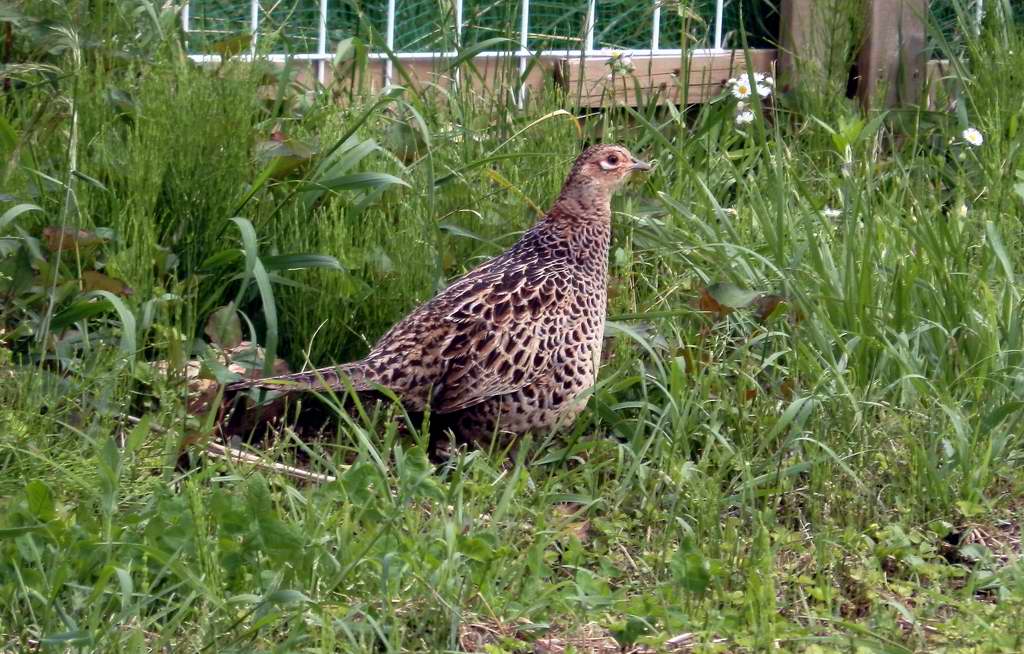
pixel 510 347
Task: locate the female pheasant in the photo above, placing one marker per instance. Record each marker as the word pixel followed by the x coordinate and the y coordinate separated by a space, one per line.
pixel 510 346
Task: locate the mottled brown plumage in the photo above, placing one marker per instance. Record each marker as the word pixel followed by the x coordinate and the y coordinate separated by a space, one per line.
pixel 510 346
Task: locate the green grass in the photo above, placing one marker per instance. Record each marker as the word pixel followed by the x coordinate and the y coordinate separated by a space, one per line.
pixel 841 475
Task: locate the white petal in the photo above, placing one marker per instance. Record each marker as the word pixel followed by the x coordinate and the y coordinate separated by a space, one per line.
pixel 973 136
pixel 741 91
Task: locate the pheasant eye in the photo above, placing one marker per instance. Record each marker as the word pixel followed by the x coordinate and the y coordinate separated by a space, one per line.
pixel 612 159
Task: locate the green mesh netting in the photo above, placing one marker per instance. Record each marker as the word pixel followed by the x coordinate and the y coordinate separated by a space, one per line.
pixel 489 19
pixel 428 25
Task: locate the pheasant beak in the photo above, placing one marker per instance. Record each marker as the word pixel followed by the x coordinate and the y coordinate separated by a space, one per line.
pixel 640 165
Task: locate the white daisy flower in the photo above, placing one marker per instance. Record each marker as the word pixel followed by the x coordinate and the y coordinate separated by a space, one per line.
pixel 973 137
pixel 627 60
pixel 831 213
pixel 745 117
pixel 741 89
pixel 748 83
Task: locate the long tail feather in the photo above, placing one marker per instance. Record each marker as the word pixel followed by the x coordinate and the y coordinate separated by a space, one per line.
pixel 333 377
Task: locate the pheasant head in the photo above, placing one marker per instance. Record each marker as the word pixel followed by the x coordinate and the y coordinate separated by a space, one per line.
pixel 595 176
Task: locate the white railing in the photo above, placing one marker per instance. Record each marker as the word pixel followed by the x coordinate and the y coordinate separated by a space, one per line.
pixel 321 56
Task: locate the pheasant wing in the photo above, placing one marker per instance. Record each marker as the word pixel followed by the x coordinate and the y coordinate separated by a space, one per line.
pixel 499 336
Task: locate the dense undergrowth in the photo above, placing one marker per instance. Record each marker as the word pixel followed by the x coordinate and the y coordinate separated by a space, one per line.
pixel 836 471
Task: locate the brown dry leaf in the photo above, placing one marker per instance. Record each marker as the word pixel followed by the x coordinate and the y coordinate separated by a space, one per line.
pixel 572 522
pixel 93 280
pixel 224 327
pixel 591 638
pixel 766 304
pixel 786 389
pixel 58 239
pixel 202 391
pixel 708 304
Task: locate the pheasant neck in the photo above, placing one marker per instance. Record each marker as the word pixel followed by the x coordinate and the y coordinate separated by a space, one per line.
pixel 580 198
pixel 583 236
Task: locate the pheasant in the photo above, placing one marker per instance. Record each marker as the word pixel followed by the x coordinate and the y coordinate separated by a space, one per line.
pixel 510 346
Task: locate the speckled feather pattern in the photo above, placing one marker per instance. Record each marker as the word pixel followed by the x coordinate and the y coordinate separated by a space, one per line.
pixel 510 346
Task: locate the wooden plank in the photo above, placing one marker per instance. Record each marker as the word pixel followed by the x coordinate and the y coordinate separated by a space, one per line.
pixel 583 81
pixel 487 75
pixel 892 64
pixel 587 83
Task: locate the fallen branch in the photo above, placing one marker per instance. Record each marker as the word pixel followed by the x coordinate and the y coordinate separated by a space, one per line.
pixel 218 451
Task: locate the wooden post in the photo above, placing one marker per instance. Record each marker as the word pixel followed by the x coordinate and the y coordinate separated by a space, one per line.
pixel 802 40
pixel 892 61
pixel 817 39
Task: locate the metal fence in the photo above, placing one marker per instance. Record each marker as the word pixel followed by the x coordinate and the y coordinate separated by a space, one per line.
pixel 416 28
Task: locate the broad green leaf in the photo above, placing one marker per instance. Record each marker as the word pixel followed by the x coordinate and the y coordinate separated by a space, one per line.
pixel 92 181
pixel 93 304
pixel 1000 413
pixel 284 156
pixel 301 262
pixel 81 309
pixel 487 44
pixel 995 240
pixel 16 211
pixel 690 570
pixel 14 532
pixel 478 548
pixel 279 597
pixel 40 499
pixel 8 136
pixel 128 339
pixel 357 181
pixel 68 638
